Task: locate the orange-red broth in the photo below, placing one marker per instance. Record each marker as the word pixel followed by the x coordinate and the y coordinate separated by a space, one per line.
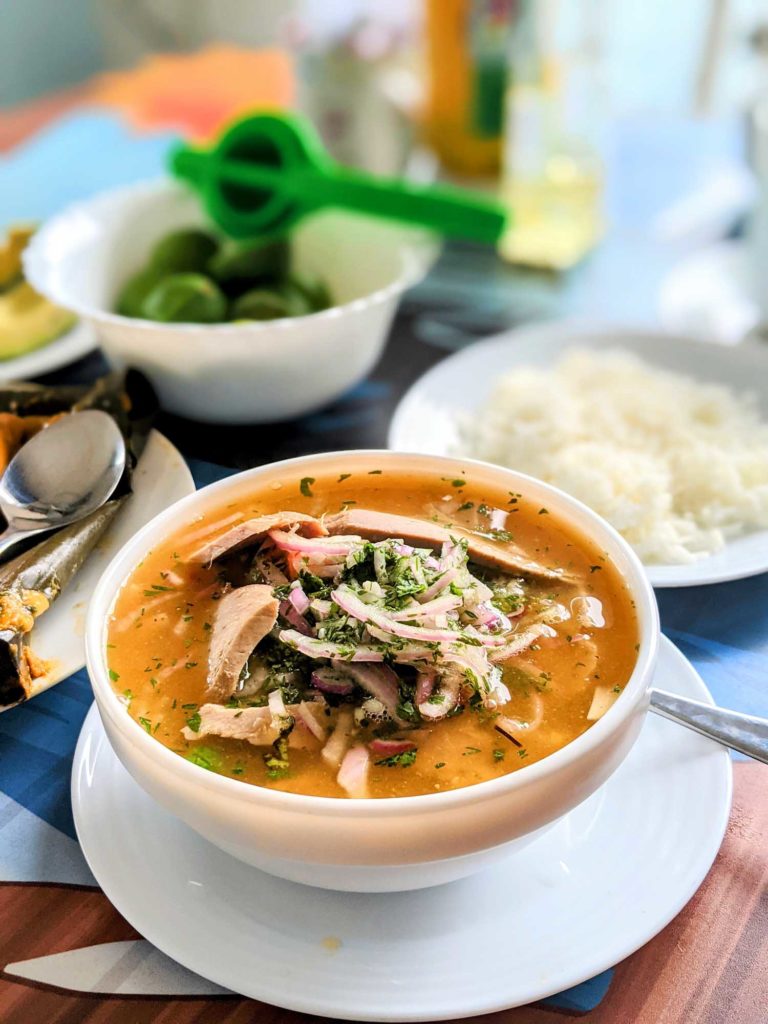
pixel 159 638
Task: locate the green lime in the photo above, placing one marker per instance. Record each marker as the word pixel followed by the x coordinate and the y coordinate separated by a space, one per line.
pixel 260 304
pixel 256 262
pixel 187 250
pixel 131 299
pixel 186 298
pixel 295 298
pixel 315 293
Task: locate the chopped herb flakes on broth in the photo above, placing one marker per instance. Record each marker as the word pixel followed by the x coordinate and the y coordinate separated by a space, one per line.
pixel 371 635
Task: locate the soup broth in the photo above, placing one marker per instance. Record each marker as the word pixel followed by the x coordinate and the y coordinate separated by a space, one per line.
pixel 483 670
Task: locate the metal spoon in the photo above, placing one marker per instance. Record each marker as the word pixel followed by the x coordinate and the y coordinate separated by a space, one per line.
pixel 61 475
pixel 746 733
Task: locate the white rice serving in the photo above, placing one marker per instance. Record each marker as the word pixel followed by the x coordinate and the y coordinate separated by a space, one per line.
pixel 677 466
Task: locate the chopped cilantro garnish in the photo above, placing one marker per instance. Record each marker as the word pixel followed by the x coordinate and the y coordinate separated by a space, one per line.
pixel 114 676
pixel 146 723
pixel 306 486
pixel 543 512
pixel 458 483
pixel 503 535
pixel 277 760
pixel 499 755
pixel 194 722
pixel 466 506
pixel 440 764
pixel 470 750
pixel 595 568
pixel 374 472
pixel 205 757
pixel 343 476
pixel 405 709
pixel 404 760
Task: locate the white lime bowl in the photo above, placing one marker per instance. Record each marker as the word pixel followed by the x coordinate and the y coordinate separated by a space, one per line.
pixel 387 844
pixel 252 372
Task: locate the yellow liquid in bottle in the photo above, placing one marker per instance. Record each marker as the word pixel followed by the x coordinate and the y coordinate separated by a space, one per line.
pixel 556 216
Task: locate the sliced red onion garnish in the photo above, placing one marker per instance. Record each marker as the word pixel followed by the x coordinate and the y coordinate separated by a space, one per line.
pixel 404 550
pixel 315 648
pixel 314 545
pixel 498 695
pixel 353 773
pixel 486 639
pixel 298 622
pixel 332 681
pixel 448 692
pixel 276 704
pixel 334 750
pixel 489 616
pixel 521 641
pixel 386 748
pixel 473 660
pixel 381 682
pixel 319 608
pixel 425 684
pixel 438 586
pixel 349 602
pixel 439 606
pixel 299 599
pixel 308 716
pixel 452 555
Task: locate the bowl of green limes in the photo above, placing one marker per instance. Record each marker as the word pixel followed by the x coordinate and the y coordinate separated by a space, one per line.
pixel 229 331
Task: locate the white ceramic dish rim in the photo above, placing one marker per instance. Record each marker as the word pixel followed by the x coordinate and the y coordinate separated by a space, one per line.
pixel 419 253
pixel 74 344
pixel 124 562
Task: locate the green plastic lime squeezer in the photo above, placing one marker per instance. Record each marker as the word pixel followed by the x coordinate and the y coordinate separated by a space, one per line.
pixel 268 171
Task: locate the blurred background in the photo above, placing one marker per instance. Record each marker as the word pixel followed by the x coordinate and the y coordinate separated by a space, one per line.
pixel 629 138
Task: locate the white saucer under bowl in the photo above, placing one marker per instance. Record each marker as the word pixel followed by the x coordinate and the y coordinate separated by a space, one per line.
pixel 589 892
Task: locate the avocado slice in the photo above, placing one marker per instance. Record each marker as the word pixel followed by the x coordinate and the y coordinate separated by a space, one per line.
pixel 28 321
pixel 10 255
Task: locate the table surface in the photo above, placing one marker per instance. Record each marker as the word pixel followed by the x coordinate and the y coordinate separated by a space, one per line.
pixel 710 964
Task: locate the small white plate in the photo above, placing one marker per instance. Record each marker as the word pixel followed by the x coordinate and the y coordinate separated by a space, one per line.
pixel 589 892
pixel 161 478
pixel 426 419
pixel 71 346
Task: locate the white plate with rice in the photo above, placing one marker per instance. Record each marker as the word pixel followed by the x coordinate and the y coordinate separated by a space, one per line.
pixel 678 464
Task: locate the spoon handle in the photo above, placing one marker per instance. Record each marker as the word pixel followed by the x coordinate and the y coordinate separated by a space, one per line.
pixel 746 733
pixel 10 537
